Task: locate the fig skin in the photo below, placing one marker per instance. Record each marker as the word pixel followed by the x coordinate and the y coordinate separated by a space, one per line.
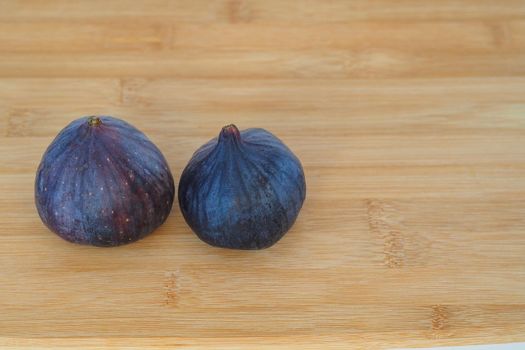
pixel 102 182
pixel 242 190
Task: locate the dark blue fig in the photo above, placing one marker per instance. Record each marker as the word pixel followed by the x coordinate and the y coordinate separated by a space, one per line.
pixel 242 190
pixel 103 182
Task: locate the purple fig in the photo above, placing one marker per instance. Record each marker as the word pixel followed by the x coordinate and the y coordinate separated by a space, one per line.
pixel 103 182
pixel 242 190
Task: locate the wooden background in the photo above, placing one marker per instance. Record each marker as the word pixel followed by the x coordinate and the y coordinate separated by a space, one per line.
pixel 408 116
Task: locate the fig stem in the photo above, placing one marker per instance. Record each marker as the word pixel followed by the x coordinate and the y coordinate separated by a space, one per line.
pixel 94 121
pixel 230 132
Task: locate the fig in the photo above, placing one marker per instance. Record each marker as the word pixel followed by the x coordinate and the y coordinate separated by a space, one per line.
pixel 102 182
pixel 242 190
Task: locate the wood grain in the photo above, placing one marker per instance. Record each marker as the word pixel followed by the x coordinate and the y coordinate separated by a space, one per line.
pixel 408 116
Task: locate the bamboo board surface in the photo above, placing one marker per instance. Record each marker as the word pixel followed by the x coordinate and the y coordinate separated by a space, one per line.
pixel 408 116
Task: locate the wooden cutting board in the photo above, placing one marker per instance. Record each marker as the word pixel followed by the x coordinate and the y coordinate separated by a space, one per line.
pixel 409 118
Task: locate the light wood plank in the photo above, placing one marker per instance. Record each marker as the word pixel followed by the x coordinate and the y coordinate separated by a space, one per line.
pixel 264 64
pixel 309 11
pixel 121 35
